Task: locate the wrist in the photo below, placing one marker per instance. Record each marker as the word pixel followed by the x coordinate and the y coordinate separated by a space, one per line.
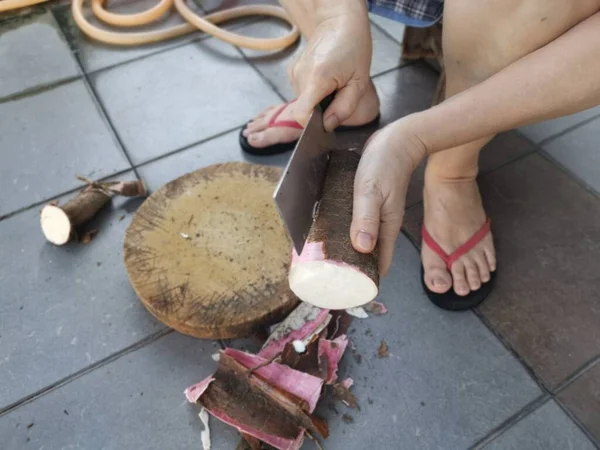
pixel 407 138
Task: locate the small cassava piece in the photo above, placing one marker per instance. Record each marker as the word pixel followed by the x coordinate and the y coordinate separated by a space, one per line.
pixel 208 255
pixel 59 223
pixel 330 273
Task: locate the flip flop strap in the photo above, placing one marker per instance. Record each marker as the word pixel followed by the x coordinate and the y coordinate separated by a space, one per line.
pixel 451 258
pixel 283 123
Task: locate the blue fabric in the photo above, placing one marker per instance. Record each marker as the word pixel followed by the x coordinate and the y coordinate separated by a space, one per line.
pixel 413 13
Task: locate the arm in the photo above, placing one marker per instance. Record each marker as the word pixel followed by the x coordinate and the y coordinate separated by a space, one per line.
pixel 560 78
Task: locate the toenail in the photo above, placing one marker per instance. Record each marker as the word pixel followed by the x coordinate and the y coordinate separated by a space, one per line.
pixel 256 137
pixel 245 133
pixel 440 282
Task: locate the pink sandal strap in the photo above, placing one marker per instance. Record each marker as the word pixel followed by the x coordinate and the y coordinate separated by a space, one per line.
pixel 283 123
pixel 450 259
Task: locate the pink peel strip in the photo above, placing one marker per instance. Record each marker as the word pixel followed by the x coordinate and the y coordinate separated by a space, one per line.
pixel 307 329
pixel 333 351
pixel 193 393
pixel 377 308
pixel 300 384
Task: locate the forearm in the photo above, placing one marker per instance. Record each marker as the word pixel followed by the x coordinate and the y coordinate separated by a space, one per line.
pixel 559 79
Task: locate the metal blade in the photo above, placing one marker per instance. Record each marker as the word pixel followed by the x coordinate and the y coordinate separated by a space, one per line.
pixel 299 189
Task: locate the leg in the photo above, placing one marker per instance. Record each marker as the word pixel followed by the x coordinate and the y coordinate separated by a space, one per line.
pixel 260 135
pixel 480 38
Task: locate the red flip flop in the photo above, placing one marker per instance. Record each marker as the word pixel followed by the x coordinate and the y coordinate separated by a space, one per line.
pixel 287 146
pixel 450 300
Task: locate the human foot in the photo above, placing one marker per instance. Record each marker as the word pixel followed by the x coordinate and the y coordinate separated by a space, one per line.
pixel 454 215
pixel 276 126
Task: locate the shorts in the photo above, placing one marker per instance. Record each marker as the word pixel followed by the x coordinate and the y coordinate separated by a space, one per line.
pixel 413 13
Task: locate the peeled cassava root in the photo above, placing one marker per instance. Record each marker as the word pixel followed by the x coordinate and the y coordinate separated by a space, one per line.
pixel 59 223
pixel 330 273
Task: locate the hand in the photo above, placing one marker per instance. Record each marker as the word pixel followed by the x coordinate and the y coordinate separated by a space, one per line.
pixel 337 57
pixel 388 161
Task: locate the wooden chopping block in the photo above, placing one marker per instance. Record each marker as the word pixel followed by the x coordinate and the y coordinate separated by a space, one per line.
pixel 208 254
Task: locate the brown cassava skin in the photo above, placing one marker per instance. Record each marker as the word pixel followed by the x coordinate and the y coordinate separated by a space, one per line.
pixel 85 205
pixel 334 216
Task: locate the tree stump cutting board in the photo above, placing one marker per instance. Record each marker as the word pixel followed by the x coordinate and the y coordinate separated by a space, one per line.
pixel 208 254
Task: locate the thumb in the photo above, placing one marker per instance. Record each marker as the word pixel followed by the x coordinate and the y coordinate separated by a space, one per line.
pixel 343 106
pixel 364 230
pixel 311 95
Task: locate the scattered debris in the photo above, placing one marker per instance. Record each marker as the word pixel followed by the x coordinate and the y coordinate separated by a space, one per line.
pixel 205 434
pixel 348 418
pixel 185 236
pixel 315 440
pixel 30 425
pixel 299 346
pixel 216 356
pixel 66 412
pixel 383 351
pixel 358 312
pixel 347 383
pixel 342 393
pixel 376 308
pixel 122 218
pixel 87 237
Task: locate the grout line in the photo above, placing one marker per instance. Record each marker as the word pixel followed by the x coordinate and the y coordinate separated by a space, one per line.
pixel 260 74
pixel 573 176
pixel 61 194
pixel 567 130
pixel 577 373
pixel 30 92
pixel 511 421
pixel 385 32
pixel 69 378
pixel 578 423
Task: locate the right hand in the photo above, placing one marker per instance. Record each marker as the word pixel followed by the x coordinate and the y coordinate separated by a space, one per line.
pixel 337 57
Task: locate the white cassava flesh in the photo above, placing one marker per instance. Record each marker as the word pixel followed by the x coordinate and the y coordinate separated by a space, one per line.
pixel 331 285
pixel 56 225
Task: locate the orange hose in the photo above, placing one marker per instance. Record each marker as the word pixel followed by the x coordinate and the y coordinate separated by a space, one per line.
pixel 7 5
pixel 195 22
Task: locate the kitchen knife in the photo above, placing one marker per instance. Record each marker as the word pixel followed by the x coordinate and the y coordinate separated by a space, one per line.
pixel 299 189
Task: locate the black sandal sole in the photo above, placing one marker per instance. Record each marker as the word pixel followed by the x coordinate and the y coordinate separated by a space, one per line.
pixel 285 147
pixel 450 301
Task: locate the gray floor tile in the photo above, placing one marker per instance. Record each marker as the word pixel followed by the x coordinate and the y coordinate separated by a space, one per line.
pixel 222 149
pixel 33 53
pixel 135 402
pixel 393 28
pixel 579 152
pixel 176 98
pixel 47 140
pixel 582 398
pixel 546 229
pixel 548 428
pixel 64 308
pixel 503 149
pixel 274 65
pixel 545 130
pixel 95 55
pixel 446 383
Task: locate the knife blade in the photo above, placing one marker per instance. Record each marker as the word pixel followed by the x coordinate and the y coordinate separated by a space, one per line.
pixel 299 189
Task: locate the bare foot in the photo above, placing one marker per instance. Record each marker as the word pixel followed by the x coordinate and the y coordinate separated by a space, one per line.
pixel 259 135
pixel 453 214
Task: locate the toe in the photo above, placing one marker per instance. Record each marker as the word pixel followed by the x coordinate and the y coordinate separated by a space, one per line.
pixel 490 257
pixel 438 279
pixel 482 266
pixel 472 272
pixel 459 278
pixel 272 136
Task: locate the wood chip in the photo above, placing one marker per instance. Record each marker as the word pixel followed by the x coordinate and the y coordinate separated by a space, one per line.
pixel 88 236
pixel 383 351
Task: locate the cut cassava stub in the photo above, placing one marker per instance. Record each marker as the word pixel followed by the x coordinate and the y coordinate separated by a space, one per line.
pixel 330 273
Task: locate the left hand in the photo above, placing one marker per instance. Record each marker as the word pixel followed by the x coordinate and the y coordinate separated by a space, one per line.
pixel 390 157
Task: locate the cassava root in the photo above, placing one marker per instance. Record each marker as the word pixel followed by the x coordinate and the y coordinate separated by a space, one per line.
pixel 330 273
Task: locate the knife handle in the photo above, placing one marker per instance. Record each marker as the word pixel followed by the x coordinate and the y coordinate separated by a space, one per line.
pixel 327 101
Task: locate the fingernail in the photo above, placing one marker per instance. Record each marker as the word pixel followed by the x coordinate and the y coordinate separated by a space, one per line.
pixel 331 122
pixel 364 241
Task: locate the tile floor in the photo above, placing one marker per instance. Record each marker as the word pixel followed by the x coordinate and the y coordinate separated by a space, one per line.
pixel 83 365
